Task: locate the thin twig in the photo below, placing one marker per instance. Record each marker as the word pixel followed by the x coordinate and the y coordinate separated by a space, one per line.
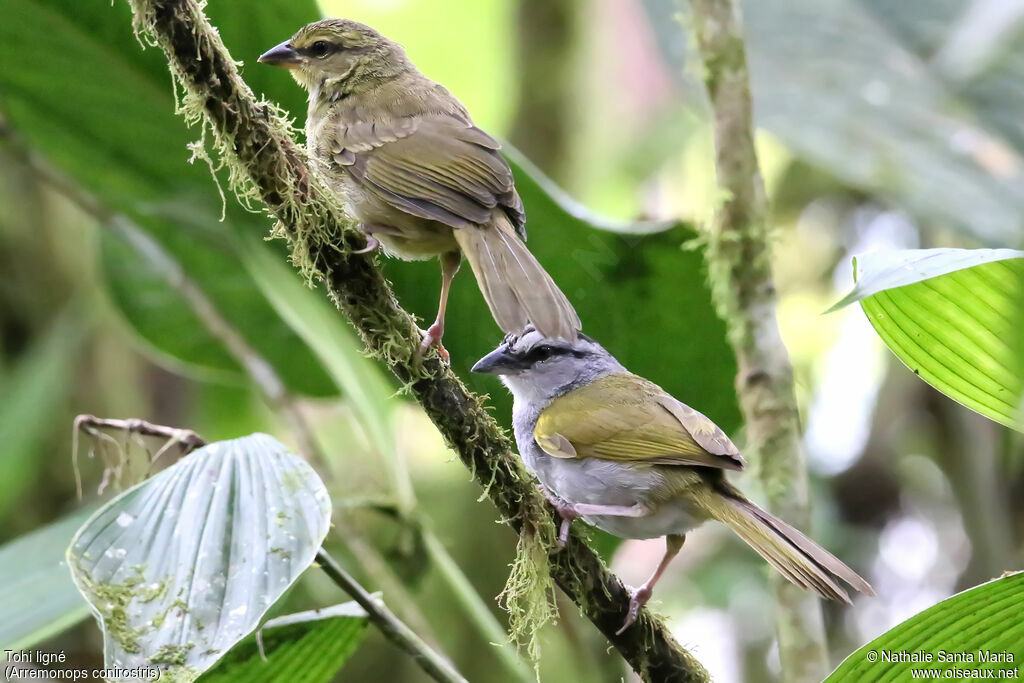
pixel 739 265
pixel 436 666
pixel 258 146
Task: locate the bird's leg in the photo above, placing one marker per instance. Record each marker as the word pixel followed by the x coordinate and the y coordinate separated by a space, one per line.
pixel 565 510
pixel 638 597
pixel 570 511
pixel 432 337
pixel 588 510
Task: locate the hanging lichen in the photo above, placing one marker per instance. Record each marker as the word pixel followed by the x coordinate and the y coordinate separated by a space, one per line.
pixel 528 595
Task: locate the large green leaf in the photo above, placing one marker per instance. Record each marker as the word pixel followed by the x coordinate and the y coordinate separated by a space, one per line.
pixel 309 646
pixel 182 566
pixel 837 84
pixel 37 597
pixel 952 316
pixel 969 634
pixel 126 145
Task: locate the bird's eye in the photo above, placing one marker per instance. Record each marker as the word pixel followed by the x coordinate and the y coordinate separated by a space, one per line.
pixel 542 352
pixel 320 48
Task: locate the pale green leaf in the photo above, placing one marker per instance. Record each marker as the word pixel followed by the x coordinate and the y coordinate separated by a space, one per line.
pixel 980 627
pixel 182 566
pixel 38 600
pixel 953 317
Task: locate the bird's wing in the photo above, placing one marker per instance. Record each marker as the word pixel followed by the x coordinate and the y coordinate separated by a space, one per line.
pixel 626 418
pixel 438 167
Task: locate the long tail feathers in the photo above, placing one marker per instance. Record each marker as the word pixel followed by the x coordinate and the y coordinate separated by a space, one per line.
pixel 797 557
pixel 516 287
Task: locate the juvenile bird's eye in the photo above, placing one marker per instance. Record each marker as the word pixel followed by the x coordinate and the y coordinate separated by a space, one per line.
pixel 320 48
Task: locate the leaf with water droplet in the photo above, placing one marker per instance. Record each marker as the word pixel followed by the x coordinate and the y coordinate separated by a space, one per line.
pixel 177 591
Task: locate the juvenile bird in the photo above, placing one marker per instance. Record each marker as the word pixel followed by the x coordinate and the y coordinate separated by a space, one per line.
pixel 616 450
pixel 420 177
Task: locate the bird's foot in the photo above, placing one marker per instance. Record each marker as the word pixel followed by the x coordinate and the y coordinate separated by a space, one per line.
pixel 432 337
pixel 565 510
pixel 371 245
pixel 638 597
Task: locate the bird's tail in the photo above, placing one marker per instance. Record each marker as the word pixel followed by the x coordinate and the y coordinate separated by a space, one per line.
pixel 516 287
pixel 797 557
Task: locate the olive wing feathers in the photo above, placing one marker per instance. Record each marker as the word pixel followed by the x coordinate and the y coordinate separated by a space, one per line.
pixel 625 418
pixel 438 167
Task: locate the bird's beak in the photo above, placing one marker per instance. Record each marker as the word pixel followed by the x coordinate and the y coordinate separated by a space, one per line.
pixel 497 362
pixel 282 55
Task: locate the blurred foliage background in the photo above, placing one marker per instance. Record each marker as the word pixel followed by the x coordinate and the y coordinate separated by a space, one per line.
pixel 882 124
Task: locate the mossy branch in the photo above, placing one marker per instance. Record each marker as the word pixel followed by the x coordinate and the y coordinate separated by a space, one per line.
pixel 268 165
pixel 739 266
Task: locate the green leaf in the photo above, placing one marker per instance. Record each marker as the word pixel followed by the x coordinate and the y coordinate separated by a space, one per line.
pixel 182 566
pixel 840 89
pixel 981 622
pixel 126 145
pixel 308 646
pixel 32 394
pixel 320 326
pixel 38 599
pixel 309 313
pixel 951 315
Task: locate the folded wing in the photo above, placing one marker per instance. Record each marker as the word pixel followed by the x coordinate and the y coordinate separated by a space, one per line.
pixel 626 418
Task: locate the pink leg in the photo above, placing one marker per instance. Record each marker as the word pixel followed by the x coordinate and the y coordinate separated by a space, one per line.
pixel 570 511
pixel 432 337
pixel 639 597
pixel 564 509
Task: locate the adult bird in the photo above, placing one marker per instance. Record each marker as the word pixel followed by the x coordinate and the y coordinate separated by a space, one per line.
pixel 420 177
pixel 621 453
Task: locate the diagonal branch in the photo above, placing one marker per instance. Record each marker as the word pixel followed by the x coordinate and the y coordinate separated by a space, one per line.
pixel 739 265
pixel 258 147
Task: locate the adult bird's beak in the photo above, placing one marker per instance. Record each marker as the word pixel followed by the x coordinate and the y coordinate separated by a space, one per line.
pixel 281 55
pixel 497 362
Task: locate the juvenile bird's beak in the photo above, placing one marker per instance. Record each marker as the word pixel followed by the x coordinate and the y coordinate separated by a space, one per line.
pixel 281 55
pixel 497 362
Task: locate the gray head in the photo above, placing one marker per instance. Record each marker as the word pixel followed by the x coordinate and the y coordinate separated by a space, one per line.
pixel 345 53
pixel 535 368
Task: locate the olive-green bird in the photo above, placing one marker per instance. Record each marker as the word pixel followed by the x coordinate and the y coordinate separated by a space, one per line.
pixel 420 177
pixel 618 451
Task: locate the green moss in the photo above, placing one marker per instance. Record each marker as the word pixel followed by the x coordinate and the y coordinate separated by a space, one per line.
pixel 284 554
pixel 154 591
pixel 111 602
pixel 171 655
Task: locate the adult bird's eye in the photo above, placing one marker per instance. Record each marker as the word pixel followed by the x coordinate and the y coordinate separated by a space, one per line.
pixel 320 48
pixel 542 352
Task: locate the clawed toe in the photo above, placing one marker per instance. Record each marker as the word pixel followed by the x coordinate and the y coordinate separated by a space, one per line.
pixel 565 510
pixel 638 597
pixel 371 245
pixel 432 337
